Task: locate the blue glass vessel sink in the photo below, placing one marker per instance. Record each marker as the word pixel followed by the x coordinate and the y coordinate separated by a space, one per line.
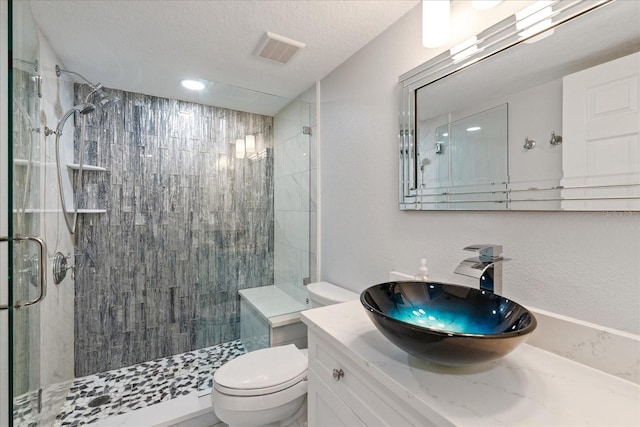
pixel 447 324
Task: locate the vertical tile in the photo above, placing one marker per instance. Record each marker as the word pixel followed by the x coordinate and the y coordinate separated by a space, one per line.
pixel 182 233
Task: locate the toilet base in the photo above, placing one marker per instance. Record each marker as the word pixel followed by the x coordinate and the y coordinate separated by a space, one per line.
pixel 292 414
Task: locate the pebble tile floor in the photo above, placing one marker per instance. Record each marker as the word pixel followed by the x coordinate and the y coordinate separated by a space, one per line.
pixel 96 397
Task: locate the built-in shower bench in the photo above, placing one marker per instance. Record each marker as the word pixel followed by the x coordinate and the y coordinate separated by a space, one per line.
pixel 270 317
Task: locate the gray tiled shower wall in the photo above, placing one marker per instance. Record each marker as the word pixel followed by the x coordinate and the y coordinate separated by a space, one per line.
pixel 187 225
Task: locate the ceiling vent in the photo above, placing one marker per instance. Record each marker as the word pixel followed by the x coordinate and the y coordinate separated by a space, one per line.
pixel 278 48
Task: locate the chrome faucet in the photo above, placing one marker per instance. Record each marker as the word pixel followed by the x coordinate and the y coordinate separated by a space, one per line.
pixel 487 267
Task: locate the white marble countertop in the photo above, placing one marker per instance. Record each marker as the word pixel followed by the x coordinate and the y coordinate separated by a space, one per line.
pixel 530 386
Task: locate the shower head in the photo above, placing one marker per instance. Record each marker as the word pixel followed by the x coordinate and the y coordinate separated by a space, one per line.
pixel 96 89
pixel 105 99
pixel 84 108
pixel 101 97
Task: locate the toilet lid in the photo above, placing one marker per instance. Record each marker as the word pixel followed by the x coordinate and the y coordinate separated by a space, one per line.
pixel 262 371
pixel 326 293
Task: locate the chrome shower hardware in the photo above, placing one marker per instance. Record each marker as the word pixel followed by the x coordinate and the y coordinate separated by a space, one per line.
pixel 96 88
pixel 555 139
pixel 101 98
pixel 42 275
pixel 60 267
pixel 83 109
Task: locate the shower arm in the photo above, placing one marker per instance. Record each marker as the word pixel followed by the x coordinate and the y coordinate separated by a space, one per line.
pixel 59 72
pixel 95 87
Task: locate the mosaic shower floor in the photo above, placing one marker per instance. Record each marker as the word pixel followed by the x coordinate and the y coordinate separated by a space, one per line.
pixel 96 397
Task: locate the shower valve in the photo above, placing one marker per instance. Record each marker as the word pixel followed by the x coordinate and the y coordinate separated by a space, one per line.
pixel 60 267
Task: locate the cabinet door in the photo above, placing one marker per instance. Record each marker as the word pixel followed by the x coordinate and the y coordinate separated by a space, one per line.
pixel 326 409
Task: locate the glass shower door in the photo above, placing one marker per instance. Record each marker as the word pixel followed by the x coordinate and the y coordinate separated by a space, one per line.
pixel 23 254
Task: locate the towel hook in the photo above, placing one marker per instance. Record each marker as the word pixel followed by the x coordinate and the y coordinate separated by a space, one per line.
pixel 555 139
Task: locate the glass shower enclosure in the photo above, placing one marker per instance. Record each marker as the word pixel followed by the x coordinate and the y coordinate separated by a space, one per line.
pixel 24 254
pixel 183 207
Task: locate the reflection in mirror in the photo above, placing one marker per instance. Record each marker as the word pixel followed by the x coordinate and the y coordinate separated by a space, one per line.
pixel 554 157
pixel 466 153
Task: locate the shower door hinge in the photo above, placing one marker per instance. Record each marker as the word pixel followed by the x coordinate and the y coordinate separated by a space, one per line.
pixel 38 82
pixel 306 130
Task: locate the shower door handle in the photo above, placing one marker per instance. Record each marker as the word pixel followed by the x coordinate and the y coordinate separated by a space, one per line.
pixel 42 268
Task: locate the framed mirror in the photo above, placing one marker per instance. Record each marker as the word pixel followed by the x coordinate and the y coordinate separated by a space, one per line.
pixel 538 112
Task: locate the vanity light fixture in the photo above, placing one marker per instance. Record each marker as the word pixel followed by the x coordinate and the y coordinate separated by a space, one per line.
pixel 474 129
pixel 534 19
pixel 484 4
pixel 435 22
pixel 192 84
pixel 465 49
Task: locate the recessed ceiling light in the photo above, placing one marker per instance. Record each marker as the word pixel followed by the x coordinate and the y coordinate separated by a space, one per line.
pixel 192 84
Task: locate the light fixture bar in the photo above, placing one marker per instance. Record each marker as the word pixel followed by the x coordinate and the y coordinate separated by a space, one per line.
pixel 435 22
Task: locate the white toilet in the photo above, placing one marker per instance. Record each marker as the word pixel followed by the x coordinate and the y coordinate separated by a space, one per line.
pixel 268 387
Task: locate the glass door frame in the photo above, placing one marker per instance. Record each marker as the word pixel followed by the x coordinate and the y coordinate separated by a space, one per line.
pixel 6 383
pixel 20 217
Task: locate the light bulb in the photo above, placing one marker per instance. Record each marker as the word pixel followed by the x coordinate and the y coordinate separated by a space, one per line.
pixel 192 84
pixel 435 22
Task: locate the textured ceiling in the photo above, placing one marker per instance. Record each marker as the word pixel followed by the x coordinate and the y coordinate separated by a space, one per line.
pixel 147 46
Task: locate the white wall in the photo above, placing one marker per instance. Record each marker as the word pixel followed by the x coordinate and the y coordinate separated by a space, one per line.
pixel 585 265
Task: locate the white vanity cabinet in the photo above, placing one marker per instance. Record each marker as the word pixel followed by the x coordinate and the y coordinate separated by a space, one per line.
pixel 378 384
pixel 325 408
pixel 340 393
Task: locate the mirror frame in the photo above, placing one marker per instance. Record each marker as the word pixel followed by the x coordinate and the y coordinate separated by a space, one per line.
pixel 497 196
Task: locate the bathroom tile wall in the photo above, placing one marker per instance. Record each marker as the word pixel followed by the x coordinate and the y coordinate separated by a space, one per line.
pixel 187 225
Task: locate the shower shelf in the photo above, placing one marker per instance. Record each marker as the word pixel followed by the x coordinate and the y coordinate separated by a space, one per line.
pixel 76 166
pixel 25 162
pixel 80 211
pixel 32 211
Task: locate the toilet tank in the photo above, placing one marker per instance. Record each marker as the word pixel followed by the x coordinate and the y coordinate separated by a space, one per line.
pixel 325 293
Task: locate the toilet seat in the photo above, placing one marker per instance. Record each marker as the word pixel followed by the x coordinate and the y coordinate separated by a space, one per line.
pixel 262 372
pixel 261 391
